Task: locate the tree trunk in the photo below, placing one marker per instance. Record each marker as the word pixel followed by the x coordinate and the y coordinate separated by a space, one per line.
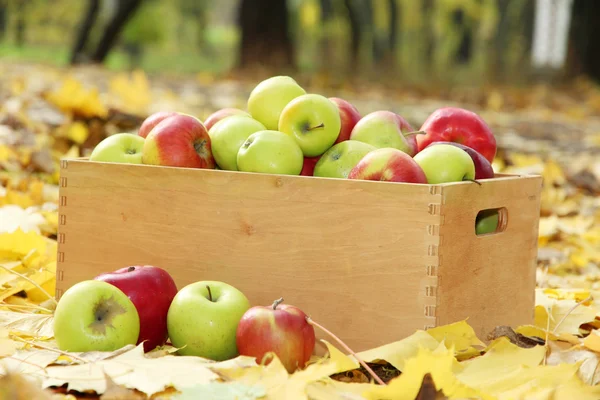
pixel 265 34
pixel 585 28
pixel 20 26
pixel 356 29
pixel 77 53
pixel 3 19
pixel 124 12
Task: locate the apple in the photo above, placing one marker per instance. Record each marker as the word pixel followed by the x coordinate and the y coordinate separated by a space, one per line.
pixel 152 121
pixel 271 152
pixel 179 141
pixel 483 168
pixel 228 135
pixel 151 289
pixel 308 167
pixel 203 319
pixel 445 163
pixel 270 96
pixel 349 116
pixel 486 221
pixel 313 121
pixel 453 124
pixel 218 115
pixel 386 129
pixel 388 164
pixel 338 161
pixel 95 316
pixel 279 328
pixel 119 148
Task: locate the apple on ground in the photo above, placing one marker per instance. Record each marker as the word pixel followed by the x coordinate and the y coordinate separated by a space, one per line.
pixel 119 148
pixel 228 135
pixel 308 167
pixel 483 168
pixel 270 152
pixel 349 117
pixel 218 115
pixel 278 328
pixel 386 129
pixel 203 319
pixel 95 316
pixel 151 289
pixel 269 98
pixel 388 164
pixel 453 124
pixel 486 221
pixel 445 163
pixel 338 161
pixel 313 121
pixel 179 141
pixel 152 121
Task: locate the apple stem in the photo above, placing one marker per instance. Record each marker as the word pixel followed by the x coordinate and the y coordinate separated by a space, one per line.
pixel 348 349
pixel 130 269
pixel 321 125
pixel 473 180
pixel 209 293
pixel 414 133
pixel 277 302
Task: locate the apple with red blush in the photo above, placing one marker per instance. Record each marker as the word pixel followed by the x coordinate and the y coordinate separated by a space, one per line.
pixel 221 114
pixel 279 328
pixel 483 168
pixel 349 116
pixel 151 290
pixel 152 121
pixel 388 164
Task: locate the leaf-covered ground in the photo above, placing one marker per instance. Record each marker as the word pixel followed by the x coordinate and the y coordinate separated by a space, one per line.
pixel 48 113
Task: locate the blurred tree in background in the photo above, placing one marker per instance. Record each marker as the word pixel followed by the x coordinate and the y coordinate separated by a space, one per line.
pixel 409 41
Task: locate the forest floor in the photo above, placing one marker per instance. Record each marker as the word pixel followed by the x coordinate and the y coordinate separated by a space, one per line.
pixel 47 113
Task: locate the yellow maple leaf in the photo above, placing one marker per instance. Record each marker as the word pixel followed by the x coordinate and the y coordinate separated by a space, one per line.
pixel 459 335
pixel 74 98
pixel 549 312
pixel 134 94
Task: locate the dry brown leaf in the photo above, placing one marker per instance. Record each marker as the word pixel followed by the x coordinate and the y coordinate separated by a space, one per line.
pixel 35 325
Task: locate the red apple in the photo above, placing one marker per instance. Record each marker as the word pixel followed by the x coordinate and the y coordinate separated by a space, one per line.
pixel 152 120
pixel 388 164
pixel 151 290
pixel 279 328
pixel 452 124
pixel 483 168
pixel 308 167
pixel 220 114
pixel 179 141
pixel 349 115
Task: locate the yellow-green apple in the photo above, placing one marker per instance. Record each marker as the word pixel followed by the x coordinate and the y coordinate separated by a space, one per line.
pixel 218 115
pixel 349 117
pixel 270 96
pixel 152 121
pixel 338 161
pixel 483 168
pixel 151 289
pixel 445 163
pixel 203 319
pixel 95 316
pixel 453 124
pixel 228 135
pixel 279 328
pixel 388 164
pixel 486 221
pixel 270 152
pixel 308 167
pixel 179 141
pixel 119 148
pixel 386 129
pixel 313 121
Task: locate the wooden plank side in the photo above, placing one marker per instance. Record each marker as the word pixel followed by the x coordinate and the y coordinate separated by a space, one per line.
pixel 353 254
pixel 489 279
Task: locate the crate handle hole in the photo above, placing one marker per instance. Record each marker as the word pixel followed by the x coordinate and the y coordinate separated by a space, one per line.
pixel 491 221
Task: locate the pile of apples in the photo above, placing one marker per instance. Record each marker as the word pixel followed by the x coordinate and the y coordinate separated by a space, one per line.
pixel 286 130
pixel 209 319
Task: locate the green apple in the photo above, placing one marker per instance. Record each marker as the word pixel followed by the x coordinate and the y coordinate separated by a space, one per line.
pixel 314 121
pixel 203 319
pixel 228 135
pixel 119 148
pixel 338 161
pixel 94 315
pixel 270 152
pixel 445 163
pixel 486 221
pixel 269 97
pixel 384 129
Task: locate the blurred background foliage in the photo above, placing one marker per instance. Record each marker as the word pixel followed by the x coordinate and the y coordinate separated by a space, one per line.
pixel 432 42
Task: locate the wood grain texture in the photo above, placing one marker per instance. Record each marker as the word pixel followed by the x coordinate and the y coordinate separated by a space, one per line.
pixel 363 258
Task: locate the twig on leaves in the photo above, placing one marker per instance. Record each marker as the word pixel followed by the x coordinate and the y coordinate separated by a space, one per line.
pixel 569 312
pixel 34 283
pixel 25 307
pixel 41 346
pixel 348 349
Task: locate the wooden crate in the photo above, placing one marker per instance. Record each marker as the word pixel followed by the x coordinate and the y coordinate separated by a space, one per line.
pixel 372 261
